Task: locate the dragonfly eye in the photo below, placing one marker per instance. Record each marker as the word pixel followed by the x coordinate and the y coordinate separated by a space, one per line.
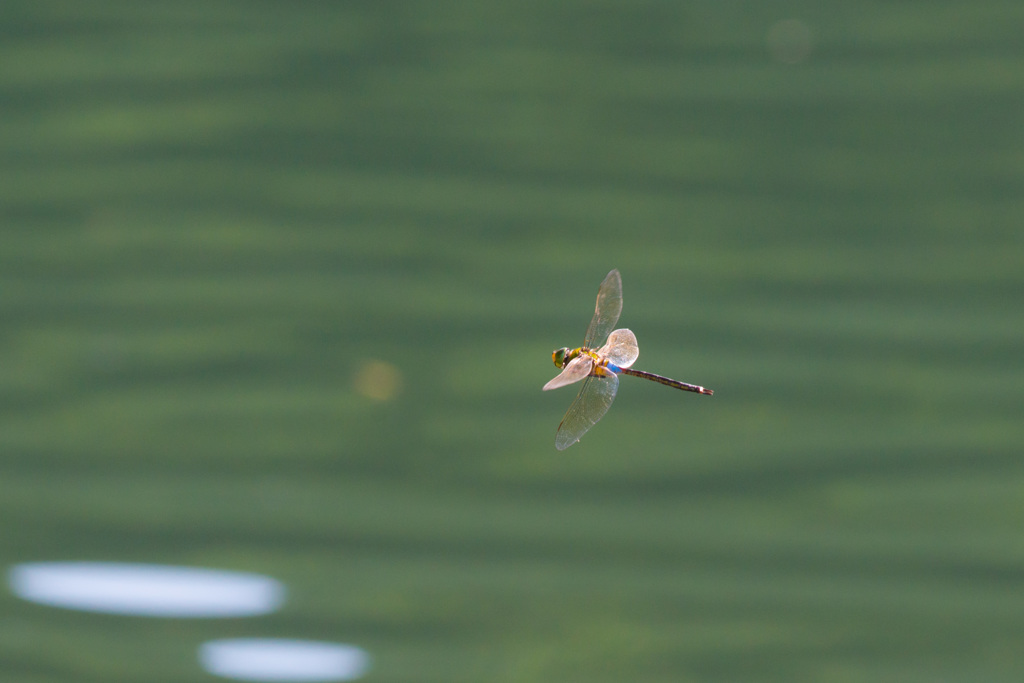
pixel 559 357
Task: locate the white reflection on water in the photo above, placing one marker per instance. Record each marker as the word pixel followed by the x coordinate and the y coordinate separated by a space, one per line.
pixel 267 659
pixel 146 589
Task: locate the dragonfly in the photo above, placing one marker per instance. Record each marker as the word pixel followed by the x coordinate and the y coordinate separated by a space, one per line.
pixel 600 368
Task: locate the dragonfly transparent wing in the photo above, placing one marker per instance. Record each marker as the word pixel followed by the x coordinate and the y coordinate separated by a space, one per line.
pixel 596 395
pixel 621 348
pixel 578 368
pixel 607 310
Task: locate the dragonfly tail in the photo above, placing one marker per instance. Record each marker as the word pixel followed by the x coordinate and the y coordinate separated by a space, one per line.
pixel 666 381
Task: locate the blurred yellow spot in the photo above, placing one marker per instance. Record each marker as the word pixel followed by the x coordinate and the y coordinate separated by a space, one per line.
pixel 378 380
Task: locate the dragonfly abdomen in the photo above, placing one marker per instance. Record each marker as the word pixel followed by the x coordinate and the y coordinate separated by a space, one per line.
pixel 664 380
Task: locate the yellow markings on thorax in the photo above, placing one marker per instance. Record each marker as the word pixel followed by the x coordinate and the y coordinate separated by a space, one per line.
pixel 599 364
pixel 563 357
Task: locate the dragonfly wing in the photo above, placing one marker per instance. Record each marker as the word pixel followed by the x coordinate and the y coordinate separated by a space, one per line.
pixel 595 396
pixel 607 310
pixel 621 348
pixel 578 368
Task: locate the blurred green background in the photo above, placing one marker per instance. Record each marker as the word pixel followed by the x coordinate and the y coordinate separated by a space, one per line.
pixel 279 282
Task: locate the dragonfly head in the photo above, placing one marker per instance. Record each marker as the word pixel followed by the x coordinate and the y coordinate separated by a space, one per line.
pixel 560 357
